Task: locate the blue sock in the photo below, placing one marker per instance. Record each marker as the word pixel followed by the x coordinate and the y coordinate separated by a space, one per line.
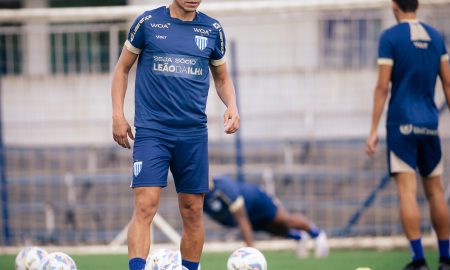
pixel 190 265
pixel 294 234
pixel 314 232
pixel 416 249
pixel 136 264
pixel 444 248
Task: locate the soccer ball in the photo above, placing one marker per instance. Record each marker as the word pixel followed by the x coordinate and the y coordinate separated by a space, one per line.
pixel 20 258
pixel 173 266
pixel 161 258
pixel 58 260
pixel 246 258
pixel 33 258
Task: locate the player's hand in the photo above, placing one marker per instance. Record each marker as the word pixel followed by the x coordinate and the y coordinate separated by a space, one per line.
pixel 371 144
pixel 121 132
pixel 231 120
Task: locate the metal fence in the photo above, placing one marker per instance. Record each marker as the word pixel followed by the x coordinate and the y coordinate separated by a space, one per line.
pixel 305 86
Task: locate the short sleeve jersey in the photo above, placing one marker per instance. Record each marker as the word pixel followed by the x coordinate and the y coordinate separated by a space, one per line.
pixel 228 196
pixel 224 199
pixel 172 77
pixel 415 51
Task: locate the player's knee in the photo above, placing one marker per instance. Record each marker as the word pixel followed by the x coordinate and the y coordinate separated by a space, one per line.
pixel 191 211
pixel 145 209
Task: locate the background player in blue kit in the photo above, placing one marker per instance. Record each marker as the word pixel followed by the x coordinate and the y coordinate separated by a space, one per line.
pixel 411 56
pixel 246 206
pixel 175 47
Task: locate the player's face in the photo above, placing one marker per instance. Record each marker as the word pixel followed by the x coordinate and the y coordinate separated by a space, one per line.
pixel 396 9
pixel 188 5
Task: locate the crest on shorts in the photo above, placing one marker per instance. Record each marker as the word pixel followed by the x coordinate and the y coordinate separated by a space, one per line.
pixel 406 129
pixel 202 42
pixel 137 167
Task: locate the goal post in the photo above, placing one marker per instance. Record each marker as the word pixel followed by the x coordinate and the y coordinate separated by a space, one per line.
pixel 158 222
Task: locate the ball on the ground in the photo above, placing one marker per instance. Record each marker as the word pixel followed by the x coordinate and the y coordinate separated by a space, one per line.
pixel 160 258
pixel 173 266
pixel 30 258
pixel 20 258
pixel 247 258
pixel 58 260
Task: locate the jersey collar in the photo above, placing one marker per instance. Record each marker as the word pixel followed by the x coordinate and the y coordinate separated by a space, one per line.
pixel 167 13
pixel 409 21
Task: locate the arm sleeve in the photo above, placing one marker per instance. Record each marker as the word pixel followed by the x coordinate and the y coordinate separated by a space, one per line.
pixel 385 51
pixel 230 193
pixel 136 36
pixel 218 54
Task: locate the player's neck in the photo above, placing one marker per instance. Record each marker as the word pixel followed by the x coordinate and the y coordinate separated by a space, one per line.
pixel 179 13
pixel 407 16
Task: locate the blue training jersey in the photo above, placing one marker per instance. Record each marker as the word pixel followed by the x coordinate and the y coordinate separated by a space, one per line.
pixel 172 77
pixel 228 196
pixel 415 51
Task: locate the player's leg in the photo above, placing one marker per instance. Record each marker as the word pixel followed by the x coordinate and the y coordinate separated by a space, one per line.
pixel 402 163
pixel 410 218
pixel 431 165
pixel 146 200
pixel 191 209
pixel 409 209
pixel 151 155
pixel 439 213
pixel 292 225
pixel 190 171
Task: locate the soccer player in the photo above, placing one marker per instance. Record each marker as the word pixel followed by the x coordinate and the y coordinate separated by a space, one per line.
pixel 411 56
pixel 175 47
pixel 246 206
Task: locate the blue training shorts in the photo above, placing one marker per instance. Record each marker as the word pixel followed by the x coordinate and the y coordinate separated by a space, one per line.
pixel 411 147
pixel 154 152
pixel 263 211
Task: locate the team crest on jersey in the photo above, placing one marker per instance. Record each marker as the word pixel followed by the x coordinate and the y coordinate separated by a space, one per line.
pixel 202 42
pixel 137 167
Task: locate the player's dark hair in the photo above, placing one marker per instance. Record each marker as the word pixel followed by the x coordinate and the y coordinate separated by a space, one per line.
pixel 407 5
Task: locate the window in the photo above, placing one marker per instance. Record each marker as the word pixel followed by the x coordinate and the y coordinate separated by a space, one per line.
pixel 350 42
pixel 84 48
pixel 10 50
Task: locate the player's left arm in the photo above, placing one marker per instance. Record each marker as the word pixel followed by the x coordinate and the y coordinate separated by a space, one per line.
pixel 444 74
pixel 225 90
pixel 241 218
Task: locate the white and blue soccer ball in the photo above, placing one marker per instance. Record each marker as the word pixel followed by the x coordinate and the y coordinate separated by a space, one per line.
pixel 30 258
pixel 174 266
pixel 247 258
pixel 20 258
pixel 58 260
pixel 160 258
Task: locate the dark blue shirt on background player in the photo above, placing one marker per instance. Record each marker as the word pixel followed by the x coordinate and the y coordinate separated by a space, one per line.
pixel 414 50
pixel 176 48
pixel 227 196
pixel 248 207
pixel 412 55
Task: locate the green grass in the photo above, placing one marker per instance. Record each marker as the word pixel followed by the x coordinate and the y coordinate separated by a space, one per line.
pixel 283 260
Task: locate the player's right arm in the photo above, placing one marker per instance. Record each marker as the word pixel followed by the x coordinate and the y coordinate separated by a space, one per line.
pixel 379 100
pixel 130 52
pixel 241 218
pixel 121 128
pixel 381 93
